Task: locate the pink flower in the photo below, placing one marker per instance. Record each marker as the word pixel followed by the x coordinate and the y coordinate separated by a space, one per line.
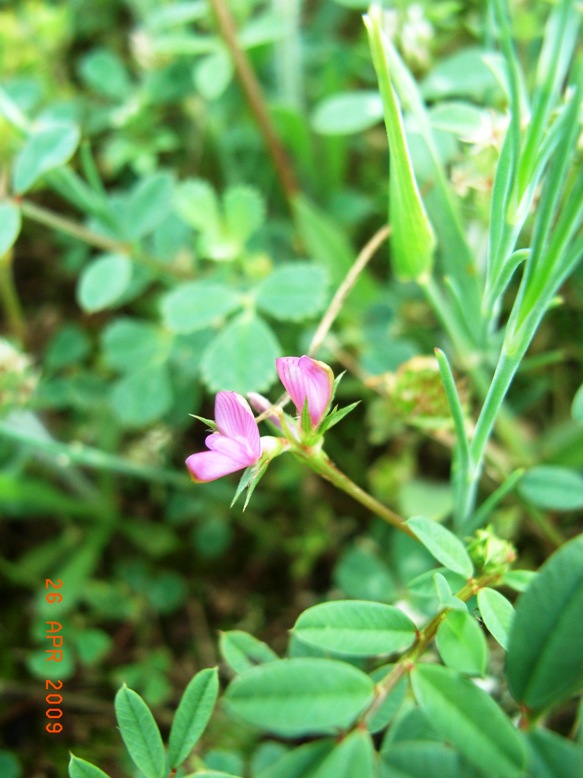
pixel 307 379
pixel 234 446
pixel 262 405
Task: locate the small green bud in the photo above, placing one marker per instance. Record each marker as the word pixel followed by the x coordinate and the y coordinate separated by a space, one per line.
pixel 489 553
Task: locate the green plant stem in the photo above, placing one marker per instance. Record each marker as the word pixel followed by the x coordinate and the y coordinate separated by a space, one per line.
pixel 256 101
pixel 287 52
pixel 321 464
pixel 363 258
pixel 87 456
pixel 55 221
pixel 480 516
pixel 505 371
pixel 507 428
pixel 454 328
pixel 10 300
pixel 424 638
pixel 493 411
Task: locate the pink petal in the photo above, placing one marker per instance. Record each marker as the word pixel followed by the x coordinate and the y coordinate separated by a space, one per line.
pixel 307 378
pixel 210 465
pixel 236 421
pixel 261 404
pixel 237 451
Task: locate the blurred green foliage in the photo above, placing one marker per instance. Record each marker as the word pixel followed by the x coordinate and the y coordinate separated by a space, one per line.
pixel 150 257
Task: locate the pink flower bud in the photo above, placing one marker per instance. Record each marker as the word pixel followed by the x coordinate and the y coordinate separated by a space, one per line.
pixel 307 379
pixel 262 405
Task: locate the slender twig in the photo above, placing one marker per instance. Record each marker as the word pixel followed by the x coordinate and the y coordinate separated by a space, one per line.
pixel 256 100
pixel 10 301
pixel 321 464
pixel 345 287
pixel 55 221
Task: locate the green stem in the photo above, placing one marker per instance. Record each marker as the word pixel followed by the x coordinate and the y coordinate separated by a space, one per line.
pixel 321 464
pixel 480 516
pixel 256 100
pixel 10 300
pixel 424 638
pixel 87 456
pixel 454 328
pixel 82 233
pixel 471 461
pixel 505 370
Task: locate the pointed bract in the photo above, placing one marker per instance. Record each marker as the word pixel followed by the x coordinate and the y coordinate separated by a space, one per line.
pixel 307 380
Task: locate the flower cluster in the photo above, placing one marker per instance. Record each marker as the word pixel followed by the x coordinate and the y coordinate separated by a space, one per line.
pixel 236 443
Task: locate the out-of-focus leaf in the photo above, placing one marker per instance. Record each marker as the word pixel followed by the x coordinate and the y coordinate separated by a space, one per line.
pixel 293 292
pixel 553 487
pixel 46 148
pixel 242 356
pixel 545 653
pixel 103 282
pixel 347 113
pixel 10 223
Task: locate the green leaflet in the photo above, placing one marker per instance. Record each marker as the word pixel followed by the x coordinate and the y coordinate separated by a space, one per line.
pixel 443 545
pixel 79 768
pixel 469 718
pixel 355 628
pixel 241 358
pixel 297 697
pixel 140 733
pixel 545 653
pixel 192 715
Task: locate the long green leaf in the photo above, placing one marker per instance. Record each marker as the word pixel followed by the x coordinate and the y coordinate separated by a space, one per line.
pixel 140 733
pixel 420 759
pixel 497 613
pixel 470 719
pixel 242 651
pixel 412 243
pixel 545 653
pixel 79 768
pixel 297 697
pixel 193 714
pixel 353 756
pixel 299 762
pixel 461 643
pixel 355 628
pixel 560 38
pixel 443 545
pixel 455 254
